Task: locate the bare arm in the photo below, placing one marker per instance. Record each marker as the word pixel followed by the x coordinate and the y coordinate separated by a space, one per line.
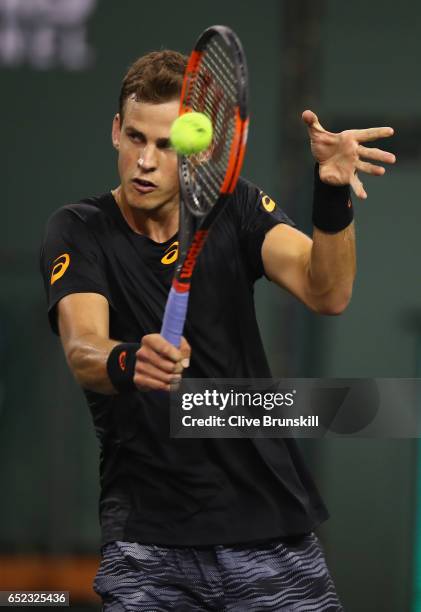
pixel 83 320
pixel 319 272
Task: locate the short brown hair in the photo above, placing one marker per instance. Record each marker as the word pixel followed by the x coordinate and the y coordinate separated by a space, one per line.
pixel 156 77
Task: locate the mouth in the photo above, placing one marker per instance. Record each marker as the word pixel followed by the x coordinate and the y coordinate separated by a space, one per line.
pixel 143 186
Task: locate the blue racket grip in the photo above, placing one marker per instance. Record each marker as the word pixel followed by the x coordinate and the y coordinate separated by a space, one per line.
pixel 175 316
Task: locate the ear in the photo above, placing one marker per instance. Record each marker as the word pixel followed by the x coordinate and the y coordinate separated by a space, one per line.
pixel 116 131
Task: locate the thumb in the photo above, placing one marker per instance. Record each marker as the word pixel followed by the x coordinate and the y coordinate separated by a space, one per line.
pixel 185 351
pixel 311 120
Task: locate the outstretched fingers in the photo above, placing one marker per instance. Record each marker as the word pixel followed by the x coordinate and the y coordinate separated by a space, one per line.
pixel 358 187
pixel 370 168
pixel 372 133
pixel 312 120
pixel 376 154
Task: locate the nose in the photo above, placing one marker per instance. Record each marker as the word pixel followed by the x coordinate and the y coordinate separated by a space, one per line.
pixel 148 160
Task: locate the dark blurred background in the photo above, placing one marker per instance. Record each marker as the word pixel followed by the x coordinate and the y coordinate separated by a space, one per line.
pixel 356 64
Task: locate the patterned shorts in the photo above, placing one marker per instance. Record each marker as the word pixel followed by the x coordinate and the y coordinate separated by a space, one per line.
pixel 275 575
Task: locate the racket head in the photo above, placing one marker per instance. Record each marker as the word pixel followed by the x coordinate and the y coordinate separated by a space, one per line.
pixel 216 84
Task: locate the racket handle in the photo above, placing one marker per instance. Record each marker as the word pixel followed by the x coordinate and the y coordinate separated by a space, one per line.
pixel 175 316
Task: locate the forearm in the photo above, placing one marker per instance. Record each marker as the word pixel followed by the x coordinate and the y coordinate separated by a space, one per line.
pixel 153 364
pixel 331 269
pixel 87 358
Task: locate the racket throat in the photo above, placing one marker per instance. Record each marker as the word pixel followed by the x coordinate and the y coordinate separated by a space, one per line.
pixel 182 281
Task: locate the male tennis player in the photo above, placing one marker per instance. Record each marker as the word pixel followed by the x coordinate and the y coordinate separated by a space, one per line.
pixel 195 524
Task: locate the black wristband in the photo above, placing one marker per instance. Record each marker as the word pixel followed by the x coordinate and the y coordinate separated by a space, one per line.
pixel 120 366
pixel 332 205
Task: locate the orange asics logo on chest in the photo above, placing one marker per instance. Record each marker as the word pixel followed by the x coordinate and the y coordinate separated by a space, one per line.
pixel 61 264
pixel 171 254
pixel 194 250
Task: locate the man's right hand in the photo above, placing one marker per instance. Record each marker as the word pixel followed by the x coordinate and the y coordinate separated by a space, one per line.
pixel 159 364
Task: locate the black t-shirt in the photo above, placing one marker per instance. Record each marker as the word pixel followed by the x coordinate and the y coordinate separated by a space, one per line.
pixel 157 489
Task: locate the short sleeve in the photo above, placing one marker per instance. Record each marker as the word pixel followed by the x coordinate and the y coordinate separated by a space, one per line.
pixel 258 213
pixel 71 261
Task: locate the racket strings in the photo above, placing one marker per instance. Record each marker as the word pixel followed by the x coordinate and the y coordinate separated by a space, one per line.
pixel 213 91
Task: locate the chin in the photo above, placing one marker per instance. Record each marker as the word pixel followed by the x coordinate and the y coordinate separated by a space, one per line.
pixel 144 203
pixel 148 202
pixel 140 201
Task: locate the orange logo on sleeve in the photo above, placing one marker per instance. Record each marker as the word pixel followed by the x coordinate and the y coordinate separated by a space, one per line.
pixel 60 266
pixel 171 254
pixel 267 203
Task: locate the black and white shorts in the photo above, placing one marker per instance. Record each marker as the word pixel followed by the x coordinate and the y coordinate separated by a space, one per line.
pixel 277 575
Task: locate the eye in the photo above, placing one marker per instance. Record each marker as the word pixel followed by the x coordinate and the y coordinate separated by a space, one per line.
pixel 135 137
pixel 164 144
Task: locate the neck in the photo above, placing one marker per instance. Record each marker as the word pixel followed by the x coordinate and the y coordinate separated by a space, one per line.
pixel 159 225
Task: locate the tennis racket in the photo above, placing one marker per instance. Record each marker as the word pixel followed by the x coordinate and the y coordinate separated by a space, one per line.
pixel 216 84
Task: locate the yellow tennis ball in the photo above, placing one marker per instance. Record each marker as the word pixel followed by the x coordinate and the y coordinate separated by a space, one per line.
pixel 191 133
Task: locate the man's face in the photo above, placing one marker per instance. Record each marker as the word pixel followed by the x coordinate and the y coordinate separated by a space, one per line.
pixel 147 165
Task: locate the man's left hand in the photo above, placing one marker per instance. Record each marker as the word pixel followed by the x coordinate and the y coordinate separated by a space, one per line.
pixel 340 155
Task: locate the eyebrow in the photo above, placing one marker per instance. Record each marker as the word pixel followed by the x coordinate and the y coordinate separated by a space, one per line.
pixel 160 142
